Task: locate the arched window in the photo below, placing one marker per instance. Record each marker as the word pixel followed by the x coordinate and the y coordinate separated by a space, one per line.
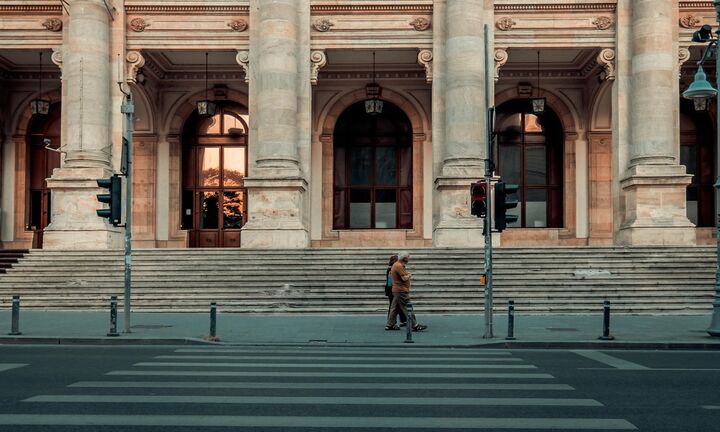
pixel 214 167
pixel 530 154
pixel 372 170
pixel 697 153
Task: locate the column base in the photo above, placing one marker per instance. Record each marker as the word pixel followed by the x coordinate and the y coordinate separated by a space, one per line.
pixel 456 227
pixel 276 218
pixel 75 223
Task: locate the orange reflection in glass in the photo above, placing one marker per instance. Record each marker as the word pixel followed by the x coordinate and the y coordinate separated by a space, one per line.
pixel 209 166
pixel 234 165
pixel 532 124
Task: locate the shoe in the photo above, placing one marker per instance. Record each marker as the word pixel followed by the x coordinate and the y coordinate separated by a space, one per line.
pixel 419 327
pixel 403 324
pixel 394 327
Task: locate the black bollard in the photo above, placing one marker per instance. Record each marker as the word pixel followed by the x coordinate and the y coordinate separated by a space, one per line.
pixel 606 322
pixel 408 335
pixel 15 324
pixel 511 320
pixel 213 315
pixel 113 317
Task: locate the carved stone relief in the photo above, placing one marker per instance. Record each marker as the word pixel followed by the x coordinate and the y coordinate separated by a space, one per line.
pixel 238 25
pixel 322 24
pixel 505 23
pixel 243 59
pixel 683 56
pixel 689 21
pixel 603 22
pixel 135 61
pixel 56 57
pixel 425 58
pixel 606 59
pixel 53 24
pixel 138 24
pixel 318 59
pixel 501 57
pixel 420 23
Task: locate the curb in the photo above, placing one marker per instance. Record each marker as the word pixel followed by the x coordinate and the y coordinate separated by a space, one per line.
pixel 40 340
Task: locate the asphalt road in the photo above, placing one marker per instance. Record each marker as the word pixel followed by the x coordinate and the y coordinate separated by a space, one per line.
pixel 311 388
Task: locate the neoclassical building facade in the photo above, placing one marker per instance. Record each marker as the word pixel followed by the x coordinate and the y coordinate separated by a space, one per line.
pixel 293 159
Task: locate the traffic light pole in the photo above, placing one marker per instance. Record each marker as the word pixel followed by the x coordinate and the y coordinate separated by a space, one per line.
pixel 128 108
pixel 487 223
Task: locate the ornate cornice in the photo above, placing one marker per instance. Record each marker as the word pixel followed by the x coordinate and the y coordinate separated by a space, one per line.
pixel 556 7
pixel 382 8
pixel 366 76
pixel 696 4
pixel 31 8
pixel 187 9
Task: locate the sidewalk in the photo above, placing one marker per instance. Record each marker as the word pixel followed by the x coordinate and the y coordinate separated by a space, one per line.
pixel 560 331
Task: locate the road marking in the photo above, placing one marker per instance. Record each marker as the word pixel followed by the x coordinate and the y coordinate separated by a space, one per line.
pixel 334 374
pixel 315 358
pixel 316 385
pixel 351 351
pixel 658 369
pixel 610 360
pixel 327 365
pixel 302 400
pixel 7 366
pixel 317 422
pixel 711 407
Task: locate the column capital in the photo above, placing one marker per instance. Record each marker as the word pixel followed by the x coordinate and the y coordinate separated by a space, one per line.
pixel 243 59
pixel 318 60
pixel 606 59
pixel 425 58
pixel 500 57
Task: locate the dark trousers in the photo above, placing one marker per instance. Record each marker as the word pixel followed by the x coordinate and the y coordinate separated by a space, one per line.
pixel 399 306
pixel 401 314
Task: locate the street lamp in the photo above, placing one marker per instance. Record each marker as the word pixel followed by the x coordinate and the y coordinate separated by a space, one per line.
pixel 702 89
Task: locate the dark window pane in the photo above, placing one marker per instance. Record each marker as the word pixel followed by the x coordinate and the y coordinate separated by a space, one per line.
pixel 405 166
pixel 536 208
pixel 360 166
pixel 385 166
pixel 510 163
pixel 688 157
pixel 209 210
pixel 385 208
pixel 360 208
pixel 339 174
pixel 517 211
pixel 339 205
pixel 692 204
pixel 535 165
pixel 405 209
pixel 233 207
pixel 35 209
pixel 187 209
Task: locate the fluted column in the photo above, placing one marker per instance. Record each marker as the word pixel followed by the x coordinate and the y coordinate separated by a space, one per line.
pixel 459 110
pixel 279 107
pixel 86 132
pixel 654 184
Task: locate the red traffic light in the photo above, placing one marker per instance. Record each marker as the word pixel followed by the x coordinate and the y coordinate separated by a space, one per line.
pixel 478 199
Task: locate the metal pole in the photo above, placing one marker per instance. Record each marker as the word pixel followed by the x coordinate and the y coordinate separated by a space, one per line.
pixel 606 321
pixel 511 320
pixel 714 329
pixel 213 318
pixel 409 325
pixel 15 320
pixel 487 223
pixel 128 108
pixel 113 317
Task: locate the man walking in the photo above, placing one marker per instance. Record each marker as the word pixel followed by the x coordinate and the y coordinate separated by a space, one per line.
pixel 401 293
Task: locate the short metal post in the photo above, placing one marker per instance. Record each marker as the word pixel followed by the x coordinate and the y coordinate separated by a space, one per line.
pixel 15 325
pixel 213 317
pixel 606 322
pixel 511 320
pixel 113 317
pixel 409 325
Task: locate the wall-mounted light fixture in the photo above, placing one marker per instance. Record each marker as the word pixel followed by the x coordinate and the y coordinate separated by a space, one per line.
pixel 205 107
pixel 373 104
pixel 538 103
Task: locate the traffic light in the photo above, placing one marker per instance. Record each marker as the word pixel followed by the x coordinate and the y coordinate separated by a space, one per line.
pixel 112 199
pixel 478 199
pixel 503 204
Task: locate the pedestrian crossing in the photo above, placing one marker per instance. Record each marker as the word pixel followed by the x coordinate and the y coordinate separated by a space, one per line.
pixel 311 388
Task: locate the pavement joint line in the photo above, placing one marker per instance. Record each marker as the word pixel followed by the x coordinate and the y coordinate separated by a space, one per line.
pixel 349 358
pixel 329 365
pixel 331 374
pixel 379 385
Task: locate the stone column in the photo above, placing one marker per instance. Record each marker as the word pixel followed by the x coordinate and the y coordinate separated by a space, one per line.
pixel 86 132
pixel 458 117
pixel 654 184
pixel 279 62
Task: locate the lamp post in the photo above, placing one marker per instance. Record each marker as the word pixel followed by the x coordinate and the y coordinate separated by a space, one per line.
pixel 702 89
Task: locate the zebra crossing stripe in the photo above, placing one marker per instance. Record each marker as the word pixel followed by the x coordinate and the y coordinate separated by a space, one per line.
pixel 7 366
pixel 327 365
pixel 318 422
pixel 352 351
pixel 334 374
pixel 318 385
pixel 316 358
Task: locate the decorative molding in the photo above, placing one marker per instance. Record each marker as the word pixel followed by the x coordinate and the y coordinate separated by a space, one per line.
pixel 322 24
pixel 425 58
pixel 238 25
pixel 695 4
pixel 556 7
pixel 57 57
pixel 135 61
pixel 683 56
pixel 501 57
pixel 603 22
pixel 366 76
pixel 138 24
pixel 53 24
pixel 689 21
pixel 189 9
pixel 31 8
pixel 606 59
pixel 420 23
pixel 382 8
pixel 243 59
pixel 505 23
pixel 318 59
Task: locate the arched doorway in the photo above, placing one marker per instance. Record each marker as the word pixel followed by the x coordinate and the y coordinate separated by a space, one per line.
pixel 372 169
pixel 43 135
pixel 530 154
pixel 697 153
pixel 214 206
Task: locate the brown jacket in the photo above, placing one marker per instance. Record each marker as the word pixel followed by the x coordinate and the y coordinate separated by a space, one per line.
pixel 400 278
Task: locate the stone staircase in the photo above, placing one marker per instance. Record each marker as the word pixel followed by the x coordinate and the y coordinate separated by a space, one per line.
pixel 10 257
pixel 539 280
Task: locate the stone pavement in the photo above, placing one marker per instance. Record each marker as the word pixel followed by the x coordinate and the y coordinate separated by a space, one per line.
pixel 638 331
